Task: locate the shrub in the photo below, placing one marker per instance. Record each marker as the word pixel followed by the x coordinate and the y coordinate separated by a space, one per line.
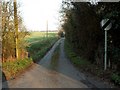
pixel 116 78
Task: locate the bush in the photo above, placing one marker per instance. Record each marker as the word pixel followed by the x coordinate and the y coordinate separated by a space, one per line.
pixel 114 55
pixel 116 78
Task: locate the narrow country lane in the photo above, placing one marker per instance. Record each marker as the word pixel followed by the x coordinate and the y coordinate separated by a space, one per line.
pixel 40 76
pixel 62 75
pixel 60 44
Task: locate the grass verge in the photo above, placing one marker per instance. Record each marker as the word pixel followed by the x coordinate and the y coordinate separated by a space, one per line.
pixel 75 59
pixel 12 68
pixel 39 47
pixel 89 68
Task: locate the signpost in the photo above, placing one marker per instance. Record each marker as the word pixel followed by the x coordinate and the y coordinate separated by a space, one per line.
pixel 106 25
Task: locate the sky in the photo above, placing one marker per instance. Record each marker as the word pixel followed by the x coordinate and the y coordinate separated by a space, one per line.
pixel 36 13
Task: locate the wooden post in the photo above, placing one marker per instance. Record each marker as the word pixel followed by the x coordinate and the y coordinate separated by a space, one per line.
pixel 16 27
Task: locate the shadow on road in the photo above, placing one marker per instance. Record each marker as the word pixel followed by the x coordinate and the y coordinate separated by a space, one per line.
pixel 54 70
pixel 64 66
pixel 4 82
pixel 56 60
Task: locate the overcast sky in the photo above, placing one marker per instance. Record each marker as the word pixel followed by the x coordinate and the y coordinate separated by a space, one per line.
pixel 36 13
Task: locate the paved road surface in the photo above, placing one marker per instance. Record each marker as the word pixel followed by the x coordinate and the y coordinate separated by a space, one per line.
pixel 65 75
pixel 43 77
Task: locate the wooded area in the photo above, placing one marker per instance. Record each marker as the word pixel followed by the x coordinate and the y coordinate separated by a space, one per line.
pixel 13 32
pixel 20 48
pixel 81 23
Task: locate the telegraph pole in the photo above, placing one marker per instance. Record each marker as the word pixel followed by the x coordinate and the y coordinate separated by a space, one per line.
pixel 16 28
pixel 47 28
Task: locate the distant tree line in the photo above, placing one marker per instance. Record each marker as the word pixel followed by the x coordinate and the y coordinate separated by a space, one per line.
pixel 81 23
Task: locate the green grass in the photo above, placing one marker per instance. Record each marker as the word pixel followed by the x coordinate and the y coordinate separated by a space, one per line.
pixel 75 59
pixel 86 66
pixel 41 34
pixel 82 63
pixel 12 68
pixel 39 44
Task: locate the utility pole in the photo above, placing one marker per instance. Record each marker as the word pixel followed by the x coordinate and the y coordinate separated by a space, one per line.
pixel 16 28
pixel 47 28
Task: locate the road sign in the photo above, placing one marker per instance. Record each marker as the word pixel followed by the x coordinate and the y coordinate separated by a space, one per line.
pixel 106 25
